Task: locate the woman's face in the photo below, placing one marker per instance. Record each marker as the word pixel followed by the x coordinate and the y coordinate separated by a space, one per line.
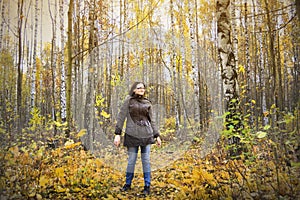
pixel 140 89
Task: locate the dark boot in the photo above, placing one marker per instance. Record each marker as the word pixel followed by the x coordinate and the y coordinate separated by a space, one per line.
pixel 146 190
pixel 125 188
pixel 129 177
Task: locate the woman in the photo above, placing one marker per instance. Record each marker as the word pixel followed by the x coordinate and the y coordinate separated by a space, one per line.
pixel 140 133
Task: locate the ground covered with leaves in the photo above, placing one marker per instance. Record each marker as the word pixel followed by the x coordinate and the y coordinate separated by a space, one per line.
pixel 70 172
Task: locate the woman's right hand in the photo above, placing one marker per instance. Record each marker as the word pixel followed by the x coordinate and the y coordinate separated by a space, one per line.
pixel 117 140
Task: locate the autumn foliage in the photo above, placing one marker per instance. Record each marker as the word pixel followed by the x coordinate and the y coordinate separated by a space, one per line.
pixel 38 171
pixel 233 61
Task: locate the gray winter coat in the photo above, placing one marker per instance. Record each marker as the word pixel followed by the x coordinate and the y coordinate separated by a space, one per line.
pixel 140 125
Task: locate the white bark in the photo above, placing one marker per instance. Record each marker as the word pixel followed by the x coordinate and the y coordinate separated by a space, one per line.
pixel 194 60
pixel 53 54
pixel 227 60
pixel 173 65
pixel 63 100
pixel 33 75
pixel 2 22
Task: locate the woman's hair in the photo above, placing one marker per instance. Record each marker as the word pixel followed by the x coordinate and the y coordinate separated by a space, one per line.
pixel 133 87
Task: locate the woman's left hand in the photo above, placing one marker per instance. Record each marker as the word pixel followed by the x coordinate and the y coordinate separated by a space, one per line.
pixel 158 141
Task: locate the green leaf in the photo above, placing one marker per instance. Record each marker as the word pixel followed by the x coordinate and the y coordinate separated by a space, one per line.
pixel 261 134
pixel 267 127
pixel 295 164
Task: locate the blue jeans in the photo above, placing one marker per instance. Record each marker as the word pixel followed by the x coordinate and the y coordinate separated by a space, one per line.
pixel 132 156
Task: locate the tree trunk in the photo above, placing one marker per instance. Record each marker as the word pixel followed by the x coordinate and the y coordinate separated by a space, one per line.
pixel 76 61
pixel 173 67
pixel 2 24
pixel 63 108
pixel 227 60
pixel 228 69
pixel 69 70
pixel 33 75
pixel 89 112
pixel 255 48
pixel 53 60
pixel 19 66
pixel 272 59
pixel 298 10
pixel 194 50
pixel 247 79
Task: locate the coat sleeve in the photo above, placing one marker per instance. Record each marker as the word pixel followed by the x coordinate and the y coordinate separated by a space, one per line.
pixel 121 117
pixel 153 123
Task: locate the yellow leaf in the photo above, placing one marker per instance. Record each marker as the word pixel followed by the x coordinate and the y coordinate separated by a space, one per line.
pixel 43 181
pixel 69 142
pixel 59 172
pixel 105 114
pixel 84 181
pixel 59 189
pixel 110 197
pixel 33 145
pixel 15 151
pixel 40 152
pixel 32 194
pixel 58 124
pixel 39 197
pixel 63 181
pixel 81 133
pixel 72 145
pixel 77 189
pixel 241 69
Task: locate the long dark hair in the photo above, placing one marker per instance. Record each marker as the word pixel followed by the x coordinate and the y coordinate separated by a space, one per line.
pixel 133 87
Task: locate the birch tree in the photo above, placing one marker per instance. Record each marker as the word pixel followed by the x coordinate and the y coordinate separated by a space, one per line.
pixel 173 63
pixel 34 57
pixel 3 7
pixel 63 108
pixel 247 78
pixel 194 61
pixel 53 57
pixel 228 68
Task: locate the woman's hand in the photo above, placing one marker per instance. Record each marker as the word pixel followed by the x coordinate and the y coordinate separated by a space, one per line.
pixel 117 140
pixel 158 141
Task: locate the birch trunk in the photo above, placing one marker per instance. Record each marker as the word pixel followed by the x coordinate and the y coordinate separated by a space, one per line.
pixel 63 113
pixel 255 48
pixel 53 58
pixel 227 60
pixel 2 23
pixel 173 67
pixel 194 54
pixel 228 70
pixel 279 66
pixel 182 64
pixel 33 75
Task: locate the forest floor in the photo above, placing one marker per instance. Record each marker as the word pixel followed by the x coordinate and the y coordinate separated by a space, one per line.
pixel 69 172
